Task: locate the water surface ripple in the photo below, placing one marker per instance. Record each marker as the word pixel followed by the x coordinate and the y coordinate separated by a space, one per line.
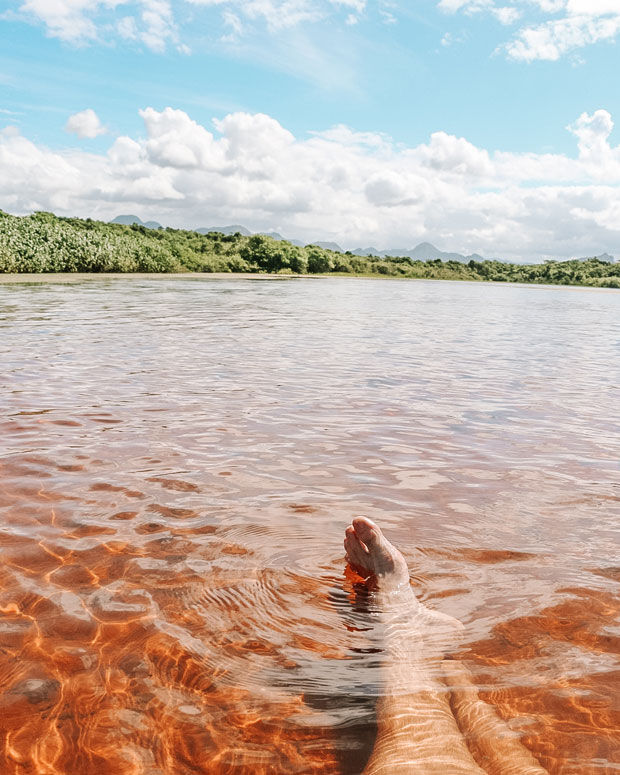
pixel 179 458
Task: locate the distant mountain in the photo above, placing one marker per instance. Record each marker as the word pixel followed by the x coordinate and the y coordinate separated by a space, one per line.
pixel 327 246
pixel 237 228
pixel 603 257
pixel 366 252
pixel 427 252
pixel 279 238
pixel 391 252
pixel 422 252
pixel 234 229
pixel 129 220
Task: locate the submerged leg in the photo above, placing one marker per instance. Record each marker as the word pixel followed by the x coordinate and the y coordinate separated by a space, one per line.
pixel 417 731
pixel 496 746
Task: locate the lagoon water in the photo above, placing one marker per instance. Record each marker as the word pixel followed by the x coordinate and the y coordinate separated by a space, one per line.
pixel 179 458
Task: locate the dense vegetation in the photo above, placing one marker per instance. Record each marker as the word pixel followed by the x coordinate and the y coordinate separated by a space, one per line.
pixel 45 243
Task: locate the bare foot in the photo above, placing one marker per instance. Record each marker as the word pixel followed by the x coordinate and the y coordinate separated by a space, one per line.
pixel 417 722
pixel 369 551
pixel 374 557
pixel 417 733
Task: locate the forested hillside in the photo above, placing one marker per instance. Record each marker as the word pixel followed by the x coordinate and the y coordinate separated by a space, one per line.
pixel 46 243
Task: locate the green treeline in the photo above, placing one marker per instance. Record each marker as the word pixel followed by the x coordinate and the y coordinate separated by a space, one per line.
pixel 45 243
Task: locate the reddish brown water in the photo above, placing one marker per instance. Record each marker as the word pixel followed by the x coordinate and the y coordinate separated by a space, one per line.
pixel 179 459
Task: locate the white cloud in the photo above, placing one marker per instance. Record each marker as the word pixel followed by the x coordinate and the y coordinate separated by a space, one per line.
pixel 452 6
pixel 555 38
pixel 592 7
pixel 86 21
pixel 66 19
pixel 153 23
pixel 453 39
pixel 342 135
pixel 506 14
pixel 356 188
pixel 593 133
pixel 233 22
pixel 175 141
pixel 85 124
pixel 389 188
pixel 468 6
pixel 455 155
pixel 158 24
pixel 355 5
pixel 581 23
pixel 276 14
pixel 388 17
pixel 572 24
pixel 127 28
pixel 549 6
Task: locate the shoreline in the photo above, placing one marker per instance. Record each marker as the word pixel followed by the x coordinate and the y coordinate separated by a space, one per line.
pixel 68 277
pixel 76 277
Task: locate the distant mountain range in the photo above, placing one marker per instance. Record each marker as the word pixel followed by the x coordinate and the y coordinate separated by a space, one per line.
pixel 422 252
pixel 128 220
pixel 226 230
pixel 236 228
pixel 603 257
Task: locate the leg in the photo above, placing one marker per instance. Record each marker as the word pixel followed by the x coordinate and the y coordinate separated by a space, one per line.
pixel 419 722
pixel 417 732
pixel 495 745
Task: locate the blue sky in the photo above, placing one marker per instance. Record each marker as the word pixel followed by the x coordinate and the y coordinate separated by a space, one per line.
pixel 399 121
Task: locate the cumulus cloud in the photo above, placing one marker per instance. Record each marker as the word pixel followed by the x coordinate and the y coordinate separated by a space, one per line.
pixel 449 154
pixel 86 123
pixel 175 141
pixel 357 188
pixel 388 188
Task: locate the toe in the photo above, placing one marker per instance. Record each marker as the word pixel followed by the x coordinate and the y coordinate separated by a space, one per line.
pixel 354 538
pixel 356 552
pixel 366 530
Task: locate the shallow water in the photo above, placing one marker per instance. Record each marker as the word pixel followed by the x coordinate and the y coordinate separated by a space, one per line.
pixel 179 459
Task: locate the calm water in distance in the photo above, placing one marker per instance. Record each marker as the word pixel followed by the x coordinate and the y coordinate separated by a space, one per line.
pixel 178 461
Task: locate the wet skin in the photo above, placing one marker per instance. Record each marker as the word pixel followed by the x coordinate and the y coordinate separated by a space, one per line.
pixel 424 727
